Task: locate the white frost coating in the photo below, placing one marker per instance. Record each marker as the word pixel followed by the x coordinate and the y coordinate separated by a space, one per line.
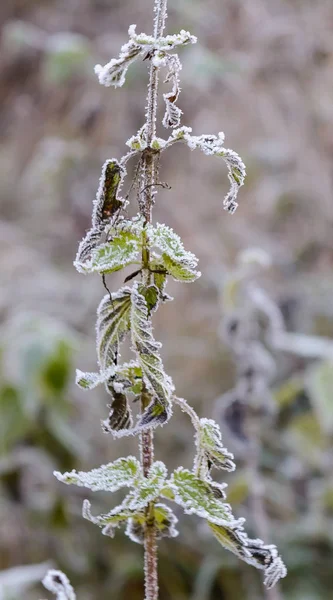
pixel 113 322
pixel 147 490
pixel 179 263
pixel 147 350
pixel 172 112
pixel 210 448
pixel 212 145
pixel 58 583
pixel 114 72
pixel 197 497
pixel 123 472
pixel 252 551
pixel 88 381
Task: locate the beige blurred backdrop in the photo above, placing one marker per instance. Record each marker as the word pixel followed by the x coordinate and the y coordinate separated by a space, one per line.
pixel 262 72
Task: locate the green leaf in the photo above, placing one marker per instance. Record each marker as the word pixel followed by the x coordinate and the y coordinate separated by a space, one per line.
pixel 116 254
pixel 147 490
pixel 178 262
pixel 197 496
pixel 107 202
pixel 254 552
pixel 210 447
pixel 113 322
pixel 111 477
pixel 147 349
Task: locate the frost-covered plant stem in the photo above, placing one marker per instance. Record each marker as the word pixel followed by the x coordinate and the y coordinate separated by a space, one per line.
pixel 149 174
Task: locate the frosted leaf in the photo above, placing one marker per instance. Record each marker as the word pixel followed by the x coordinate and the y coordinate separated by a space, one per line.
pixel 178 262
pixel 109 521
pixel 160 280
pixel 147 350
pixel 210 447
pixel 130 374
pixel 197 497
pixel 121 251
pixel 114 72
pixel 120 416
pixel 183 38
pixel 164 523
pixel 172 111
pixel 254 552
pixel 151 295
pixel 158 143
pixel 107 202
pixel 58 583
pixel 113 322
pixel 123 472
pixel 88 381
pixel 86 247
pixel 212 145
pixel 147 490
pixel 139 140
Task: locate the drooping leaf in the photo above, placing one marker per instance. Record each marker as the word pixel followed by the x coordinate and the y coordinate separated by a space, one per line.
pixel 58 583
pixel 197 497
pixel 209 445
pixel 113 322
pixel 123 472
pixel 120 416
pixel 212 145
pixel 172 112
pixel 177 261
pixel 164 523
pixel 254 552
pixel 107 202
pixel 113 519
pixel 147 350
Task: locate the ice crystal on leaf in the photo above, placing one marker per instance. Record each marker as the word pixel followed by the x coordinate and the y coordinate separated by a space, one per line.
pixel 178 262
pixel 254 552
pixel 113 322
pixel 146 490
pixel 147 350
pixel 212 145
pixel 114 72
pixel 210 447
pixel 197 497
pixel 164 520
pixel 123 472
pixel 58 583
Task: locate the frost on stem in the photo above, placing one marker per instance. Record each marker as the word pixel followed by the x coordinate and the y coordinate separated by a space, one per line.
pixel 58 583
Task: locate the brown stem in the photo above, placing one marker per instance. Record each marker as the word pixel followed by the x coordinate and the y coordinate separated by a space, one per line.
pixel 146 200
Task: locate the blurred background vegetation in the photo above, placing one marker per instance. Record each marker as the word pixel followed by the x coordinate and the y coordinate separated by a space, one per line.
pixel 263 73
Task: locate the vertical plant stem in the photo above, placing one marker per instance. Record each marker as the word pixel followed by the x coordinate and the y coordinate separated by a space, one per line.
pixel 148 178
